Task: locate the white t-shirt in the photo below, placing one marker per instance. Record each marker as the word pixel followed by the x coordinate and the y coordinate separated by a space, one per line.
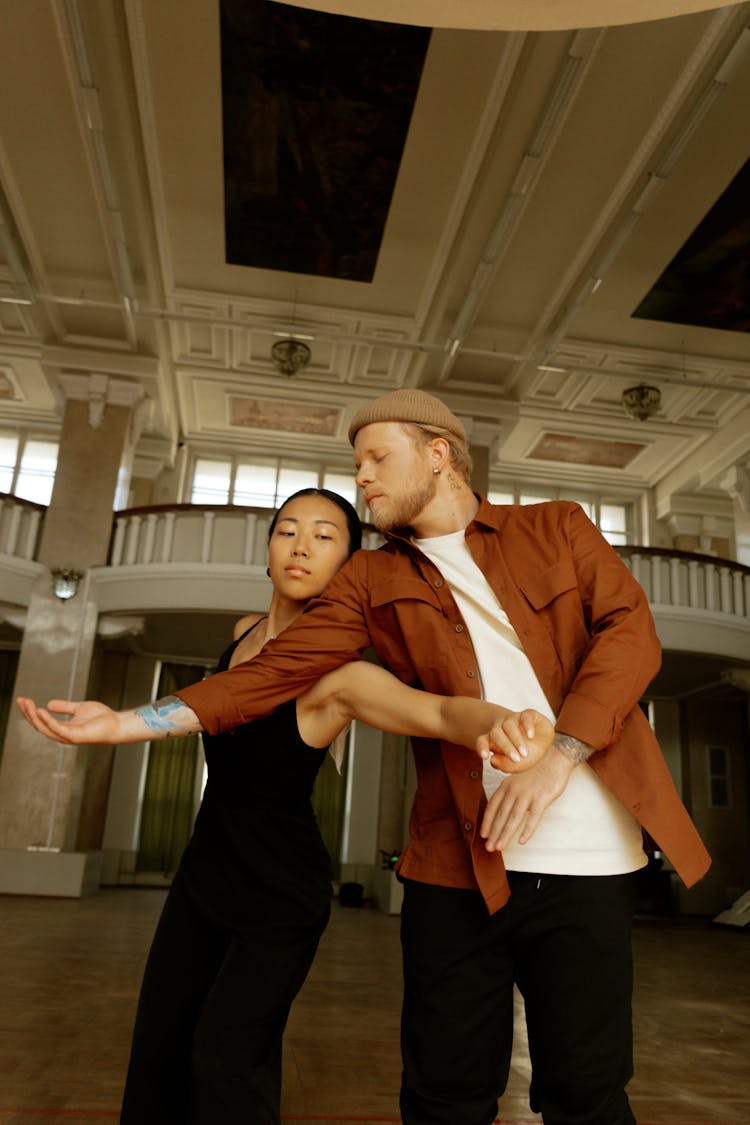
pixel 586 831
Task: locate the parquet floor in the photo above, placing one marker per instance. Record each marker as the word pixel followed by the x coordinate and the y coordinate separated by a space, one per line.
pixel 69 974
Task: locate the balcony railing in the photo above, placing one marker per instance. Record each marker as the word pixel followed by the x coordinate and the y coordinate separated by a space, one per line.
pixel 684 580
pixel 20 527
pixel 188 533
pixel 699 586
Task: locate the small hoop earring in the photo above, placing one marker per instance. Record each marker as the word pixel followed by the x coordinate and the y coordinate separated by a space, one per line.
pixel 268 571
pixel 436 472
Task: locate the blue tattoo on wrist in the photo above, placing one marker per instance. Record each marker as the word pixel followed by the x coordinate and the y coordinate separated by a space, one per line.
pixel 156 715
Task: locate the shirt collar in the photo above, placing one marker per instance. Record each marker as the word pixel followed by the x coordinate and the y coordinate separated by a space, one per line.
pixel 488 515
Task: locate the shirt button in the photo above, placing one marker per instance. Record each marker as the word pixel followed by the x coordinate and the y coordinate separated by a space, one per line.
pixel 470 674
pixel 459 628
pixel 438 582
pixel 473 774
pixel 468 825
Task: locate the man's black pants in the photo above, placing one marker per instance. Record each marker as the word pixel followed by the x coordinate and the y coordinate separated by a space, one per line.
pixel 566 942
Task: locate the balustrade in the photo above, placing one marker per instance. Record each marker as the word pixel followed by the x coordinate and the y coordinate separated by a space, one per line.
pixel 188 533
pixel 237 536
pixel 20 527
pixel 689 581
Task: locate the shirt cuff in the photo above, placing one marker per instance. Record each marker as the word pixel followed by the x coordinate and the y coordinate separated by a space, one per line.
pixel 588 721
pixel 215 707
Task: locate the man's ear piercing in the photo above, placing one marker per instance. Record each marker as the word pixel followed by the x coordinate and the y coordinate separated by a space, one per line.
pixel 436 472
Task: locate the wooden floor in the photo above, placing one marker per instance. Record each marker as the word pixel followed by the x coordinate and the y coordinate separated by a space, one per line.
pixel 69 974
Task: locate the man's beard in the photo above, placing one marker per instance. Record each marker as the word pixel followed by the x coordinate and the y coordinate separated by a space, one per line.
pixel 402 511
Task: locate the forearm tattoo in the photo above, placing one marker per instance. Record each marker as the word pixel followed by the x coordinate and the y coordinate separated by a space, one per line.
pixel 158 716
pixel 571 748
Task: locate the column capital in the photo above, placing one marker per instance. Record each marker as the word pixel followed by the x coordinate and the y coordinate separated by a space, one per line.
pixel 99 390
pixel 737 483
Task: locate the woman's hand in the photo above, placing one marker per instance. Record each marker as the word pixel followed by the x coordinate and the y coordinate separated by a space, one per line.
pixel 89 722
pixel 517 742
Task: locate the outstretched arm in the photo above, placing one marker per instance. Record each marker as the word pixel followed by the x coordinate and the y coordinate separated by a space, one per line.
pixel 91 723
pixel 515 740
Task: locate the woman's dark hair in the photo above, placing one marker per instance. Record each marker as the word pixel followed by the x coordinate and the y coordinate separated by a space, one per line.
pixel 352 519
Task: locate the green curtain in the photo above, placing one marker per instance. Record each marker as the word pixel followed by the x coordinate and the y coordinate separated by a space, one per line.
pixel 167 812
pixel 8 669
pixel 328 804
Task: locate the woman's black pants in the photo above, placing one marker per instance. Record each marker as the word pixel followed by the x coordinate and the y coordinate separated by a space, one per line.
pixel 213 1006
pixel 565 941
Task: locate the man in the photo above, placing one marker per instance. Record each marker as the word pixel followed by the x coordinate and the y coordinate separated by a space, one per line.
pixel 526 878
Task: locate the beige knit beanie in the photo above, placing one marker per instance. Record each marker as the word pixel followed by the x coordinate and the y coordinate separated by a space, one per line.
pixel 409 405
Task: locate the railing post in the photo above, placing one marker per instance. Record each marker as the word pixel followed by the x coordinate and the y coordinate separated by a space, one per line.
pixel 711 575
pixel 168 538
pixel 118 541
pixel 208 535
pixel 635 567
pixel 674 581
pixel 694 599
pixel 149 538
pixel 251 527
pixel 261 531
pixel 132 540
pixel 32 533
pixel 14 526
pixel 656 580
pixel 725 590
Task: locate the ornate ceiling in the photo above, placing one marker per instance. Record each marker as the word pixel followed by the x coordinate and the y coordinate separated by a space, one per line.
pixel 547 180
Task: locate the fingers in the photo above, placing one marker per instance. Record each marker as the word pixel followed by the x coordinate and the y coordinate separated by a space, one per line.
pixel 528 721
pixel 504 739
pixel 510 737
pixel 502 819
pixel 520 801
pixel 52 727
pixel 63 706
pixel 42 721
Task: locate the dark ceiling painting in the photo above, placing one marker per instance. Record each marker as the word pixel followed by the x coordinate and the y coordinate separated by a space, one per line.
pixel 708 281
pixel 315 114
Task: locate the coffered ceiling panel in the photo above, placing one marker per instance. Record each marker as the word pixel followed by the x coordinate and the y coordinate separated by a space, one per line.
pixel 547 179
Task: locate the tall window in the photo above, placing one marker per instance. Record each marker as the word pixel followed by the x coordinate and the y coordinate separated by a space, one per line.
pixel 262 482
pixel 27 466
pixel 614 518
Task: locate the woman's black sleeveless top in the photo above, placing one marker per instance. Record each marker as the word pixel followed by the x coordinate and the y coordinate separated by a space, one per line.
pixel 256 859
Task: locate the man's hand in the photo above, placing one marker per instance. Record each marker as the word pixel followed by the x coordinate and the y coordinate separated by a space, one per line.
pixel 520 802
pixel 89 722
pixel 517 742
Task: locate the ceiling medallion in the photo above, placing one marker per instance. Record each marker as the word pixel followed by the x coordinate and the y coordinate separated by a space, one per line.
pixel 641 402
pixel 290 356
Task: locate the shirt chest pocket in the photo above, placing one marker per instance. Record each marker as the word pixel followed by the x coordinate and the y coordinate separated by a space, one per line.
pixel 543 587
pixel 408 628
pixel 554 596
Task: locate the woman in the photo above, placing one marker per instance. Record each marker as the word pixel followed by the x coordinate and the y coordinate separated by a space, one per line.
pixel 251 897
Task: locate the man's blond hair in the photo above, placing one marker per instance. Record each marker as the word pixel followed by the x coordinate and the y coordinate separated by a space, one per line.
pixel 460 458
